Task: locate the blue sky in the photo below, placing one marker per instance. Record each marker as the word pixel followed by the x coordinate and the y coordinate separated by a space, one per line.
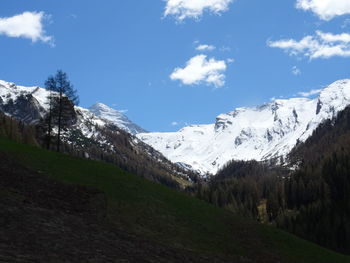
pixel 130 55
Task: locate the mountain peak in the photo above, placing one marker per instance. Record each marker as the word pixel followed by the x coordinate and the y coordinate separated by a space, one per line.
pixel 101 109
pixel 116 117
pixel 100 105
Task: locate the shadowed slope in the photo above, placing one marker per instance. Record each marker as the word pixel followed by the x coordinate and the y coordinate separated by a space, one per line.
pixel 114 216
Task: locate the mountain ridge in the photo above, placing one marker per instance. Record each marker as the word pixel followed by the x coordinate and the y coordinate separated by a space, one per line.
pixel 11 92
pixel 269 131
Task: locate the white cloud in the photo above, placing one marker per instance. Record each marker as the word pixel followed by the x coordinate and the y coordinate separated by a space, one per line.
pixel 27 25
pixel 205 47
pixel 182 9
pixel 329 38
pixel 296 71
pixel 310 93
pixel 325 9
pixel 199 70
pixel 114 105
pixel 225 49
pixel 174 123
pixel 346 23
pixel 320 45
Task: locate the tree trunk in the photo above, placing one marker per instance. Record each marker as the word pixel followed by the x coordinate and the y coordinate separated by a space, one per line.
pixel 49 127
pixel 59 123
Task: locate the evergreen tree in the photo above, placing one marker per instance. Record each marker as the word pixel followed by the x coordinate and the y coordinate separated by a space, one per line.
pixel 64 90
pixel 50 84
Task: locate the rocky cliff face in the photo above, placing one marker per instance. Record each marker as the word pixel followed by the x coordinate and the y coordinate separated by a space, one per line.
pixel 26 104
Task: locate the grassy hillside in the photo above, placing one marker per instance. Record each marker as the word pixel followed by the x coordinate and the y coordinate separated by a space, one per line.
pixel 161 221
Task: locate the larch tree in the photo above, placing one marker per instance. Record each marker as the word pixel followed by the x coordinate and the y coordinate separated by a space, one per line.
pixel 60 89
pixel 50 85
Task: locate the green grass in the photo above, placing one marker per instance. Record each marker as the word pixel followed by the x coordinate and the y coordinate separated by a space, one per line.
pixel 156 212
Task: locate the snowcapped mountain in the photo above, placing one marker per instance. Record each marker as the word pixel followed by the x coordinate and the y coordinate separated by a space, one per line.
pixel 29 104
pixel 259 133
pixel 25 103
pixel 9 91
pixel 116 117
pixel 98 131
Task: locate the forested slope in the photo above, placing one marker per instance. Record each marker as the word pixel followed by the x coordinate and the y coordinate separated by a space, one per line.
pixel 310 198
pixel 55 206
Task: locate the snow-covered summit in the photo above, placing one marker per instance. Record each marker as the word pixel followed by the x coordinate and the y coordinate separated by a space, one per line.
pixel 31 103
pixel 259 133
pixel 10 91
pixel 116 117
